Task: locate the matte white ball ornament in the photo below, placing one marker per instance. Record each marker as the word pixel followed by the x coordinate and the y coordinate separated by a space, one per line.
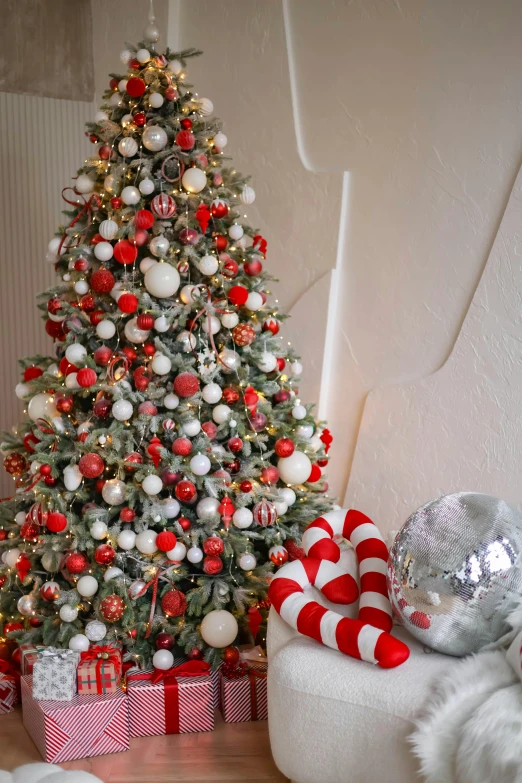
pixel 294 469
pixel 87 586
pixel 146 186
pixel 54 245
pixel 219 628
pixel 21 390
pixel 208 265
pixel 42 406
pixel 76 353
pixel 30 773
pixel 127 539
pixel 146 263
pixel 194 180
pixel 195 555
pixel 170 508
pixel 11 556
pixel 80 643
pixel 299 412
pixel 105 329
pixel 72 478
pixel 159 246
pixel 20 518
pixel 130 195
pixel 161 364
pixel 162 280
pixel 99 530
pixel 71 381
pixel 191 428
pixel 161 324
pixel 267 362
pixel 211 393
pixel 220 140
pixel 206 106
pixel 242 518
pixel 247 195
pixel 122 85
pixel 110 183
pixel 146 542
pixel 247 561
pixel 254 301
pixel 112 573
pixel 84 184
pixel 68 613
pixel 156 100
pixel 315 443
pixel 134 334
pixel 231 359
pixel 122 410
pixel 171 401
pixel 115 99
pixel 200 464
pixel 113 492
pixel 210 324
pixel 95 630
pixel 152 484
pixel 128 147
pixel 235 232
pixel 143 56
pixel 163 659
pixel 229 320
pixel 154 138
pixel 207 508
pixel 305 431
pixel 281 507
pixel 186 293
pixel 287 495
pixel 101 116
pixel 221 413
pixel 108 229
pixel 178 552
pixel 296 368
pixel 103 251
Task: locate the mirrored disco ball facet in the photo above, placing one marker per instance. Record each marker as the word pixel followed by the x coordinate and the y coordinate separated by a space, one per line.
pixel 455 571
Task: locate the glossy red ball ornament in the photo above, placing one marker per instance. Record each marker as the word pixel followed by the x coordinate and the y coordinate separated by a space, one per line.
pixel 271 325
pixel 113 84
pixel 182 447
pixel 149 349
pixel 45 470
pixel 213 546
pixel 165 541
pixel 102 281
pixel 253 268
pixel 81 265
pixel 220 242
pixel 125 252
pixel 246 486
pixel 238 295
pixel 86 377
pixel 54 306
pixel 76 563
pixel 29 531
pixel 231 655
pixel 135 86
pixel 315 474
pixel 230 267
pixel 34 622
pixel 132 461
pixel 104 152
pixel 184 523
pixel 64 403
pixel 145 321
pixel 269 475
pixel 128 303
pixel 174 603
pixel 99 484
pixel 164 641
pixel 235 444
pixel 233 467
pixel 281 364
pixel 186 384
pixel 243 334
pixel 66 368
pixel 132 634
pixel 96 239
pixel 87 303
pixel 219 208
pixel 56 522
pixel 3 534
pixel 210 429
pixel 170 94
pixel 134 64
pixel 140 237
pixel 185 491
pixel 96 316
pixel 102 408
pixel 116 202
pixel 112 608
pixel 50 591
pixel 139 119
pixel 50 481
pixel 185 139
pixel 93 138
pixel 54 329
pixel 130 353
pixel 15 464
pixel 284 447
pixel 144 219
pixel 278 555
pixel 103 355
pixel 104 554
pixel 212 565
pixel 322 463
pixel 11 627
pixel 186 124
pixel 230 395
pixel 127 514
pixel 30 373
pixel 91 465
pixel 264 513
pixel 283 395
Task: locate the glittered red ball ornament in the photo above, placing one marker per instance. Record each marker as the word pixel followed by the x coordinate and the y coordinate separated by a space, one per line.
pixel 186 384
pixel 29 530
pixel 271 325
pixel 220 242
pixel 30 373
pixel 210 429
pixel 284 447
pixel 91 465
pixel 283 395
pixel 76 563
pixel 253 268
pixel 86 377
pixel 231 655
pixel 235 444
pixel 315 474
pixel 185 491
pixel 132 461
pixel 174 603
pixel 103 355
pixel 50 591
pixel 212 565
pixel 230 267
pixel 144 219
pixel 164 641
pixel 213 546
pixel 170 94
pixel 145 321
pixel 238 295
pixel 139 119
pixel 104 554
pixel 102 408
pixel 102 281
pixel 184 523
pixel 87 303
pixel 148 408
pixel 15 464
pixel 246 486
pixel 128 303
pixel 269 475
pixel 243 334
pixel 165 541
pixel 295 552
pixel 135 86
pixel 116 202
pixel 125 252
pixel 185 139
pixel 54 329
pixel 127 514
pixel 112 608
pixel 130 353
pixel 219 208
pixel 230 395
pixel 64 403
pixel 56 522
pixel 182 447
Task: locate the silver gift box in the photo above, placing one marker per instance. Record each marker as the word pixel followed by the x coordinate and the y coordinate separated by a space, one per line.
pixel 54 674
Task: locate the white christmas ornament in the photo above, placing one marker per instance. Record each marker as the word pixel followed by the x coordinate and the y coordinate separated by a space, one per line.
pixel 229 320
pixel 220 141
pixel 156 100
pixel 242 518
pixel 187 340
pixel 152 484
pixel 20 518
pixel 105 329
pixel 247 561
pixel 112 573
pixel 113 492
pixel 159 247
pixel 146 186
pixel 208 265
pixel 54 245
pixel 178 552
pixel 42 406
pixel 154 138
pixel 122 87
pixel 304 431
pixel 211 324
pixel 161 364
pixel 294 469
pixel 211 393
pixel 207 508
pixel 162 280
pixel 76 353
pixel 143 55
pixel 49 562
pixel 80 643
pixel 130 195
pixel 71 381
pixel 254 301
pixel 99 530
pixel 219 628
pixel 115 99
pixel 186 294
pixel 95 630
pixel 21 390
pixel 247 195
pixel 195 555
pixel 200 464
pixel 127 539
pixel 87 586
pixel 267 362
pixel 84 184
pixel 146 542
pixel 103 251
pixel 170 508
pixel 299 412
pixel 110 183
pixel 281 507
pixel 221 413
pixel 100 116
pixel 134 334
pixel 163 659
pixel 206 106
pixel 11 556
pixel 125 56
pixel 72 478
pixel 26 605
pixel 122 410
pixel 128 147
pixel 315 443
pixel 68 613
pixel 53 370
pixel 194 180
pixel 108 229
pixel 161 324
pixel 235 232
pixel 81 287
pixel 231 360
pixel 191 428
pixel 171 401
pixel 296 368
pixel 146 263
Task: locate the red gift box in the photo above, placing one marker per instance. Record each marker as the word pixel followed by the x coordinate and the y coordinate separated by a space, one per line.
pixel 244 692
pixel 9 687
pixel 176 701
pixel 29 656
pixel 99 670
pixel 84 727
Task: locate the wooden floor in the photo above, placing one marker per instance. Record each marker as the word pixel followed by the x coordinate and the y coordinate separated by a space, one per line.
pixel 234 752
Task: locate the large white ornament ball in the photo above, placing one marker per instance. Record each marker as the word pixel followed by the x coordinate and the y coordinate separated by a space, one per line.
pixel 267 362
pixel 122 410
pixel 219 628
pixel 200 464
pixel 95 630
pixel 229 320
pixel 235 232
pixel 68 613
pixel 146 542
pixel 159 247
pixel 211 393
pixel 247 195
pixel 20 518
pixel 162 280
pixel 146 186
pixel 161 324
pixel 130 195
pixel 211 324
pixel 86 586
pixel 171 401
pixel 161 364
pixel 112 573
pixel 221 413
pixel 152 484
pixel 81 287
pixel 154 138
pixel 231 360
pixel 103 251
pixel 207 508
pixel 315 443
pixel 11 557
pixel 127 539
pixel 72 478
pixel 71 381
pixel 105 329
pixel 54 245
pixel 156 100
pixel 34 773
pixel 254 301
pixel 208 265
pixel 192 428
pixel 299 412
pixel 186 293
pixel 305 431
pixel 99 530
pixel 84 184
pixel 21 390
pixel 296 368
pixel 50 562
pixel 178 552
pixel 206 106
pixel 26 605
pixel 247 562
pixel 195 555
pixel 242 518
pixel 163 659
pixel 113 492
pixel 128 147
pixel 220 140
pixel 170 508
pixel 194 180
pixel 281 507
pixel 143 55
pixel 294 469
pixel 76 353
pixel 42 406
pixel 134 334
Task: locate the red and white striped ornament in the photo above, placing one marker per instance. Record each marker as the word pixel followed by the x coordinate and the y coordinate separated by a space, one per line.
pixel 168 424
pixel 163 206
pixel 366 638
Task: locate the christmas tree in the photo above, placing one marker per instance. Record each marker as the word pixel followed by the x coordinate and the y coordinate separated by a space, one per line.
pixel 165 464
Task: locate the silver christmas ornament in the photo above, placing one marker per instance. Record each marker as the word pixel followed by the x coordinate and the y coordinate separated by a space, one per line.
pixel 26 605
pixel 95 631
pixel 454 571
pixel 113 492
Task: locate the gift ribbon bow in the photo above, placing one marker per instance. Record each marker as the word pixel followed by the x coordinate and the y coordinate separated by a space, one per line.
pixel 56 652
pixel 102 655
pixel 169 678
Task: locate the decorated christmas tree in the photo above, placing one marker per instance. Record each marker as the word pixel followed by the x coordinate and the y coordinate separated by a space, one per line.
pixel 165 464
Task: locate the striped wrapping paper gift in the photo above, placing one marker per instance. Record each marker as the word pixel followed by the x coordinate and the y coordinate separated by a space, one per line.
pixel 8 693
pixel 84 727
pixel 245 698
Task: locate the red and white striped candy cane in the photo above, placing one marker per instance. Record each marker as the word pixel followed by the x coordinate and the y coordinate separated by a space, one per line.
pixel 366 638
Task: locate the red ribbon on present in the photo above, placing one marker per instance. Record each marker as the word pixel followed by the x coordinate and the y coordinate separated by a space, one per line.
pixel 169 678
pixel 102 655
pixel 245 669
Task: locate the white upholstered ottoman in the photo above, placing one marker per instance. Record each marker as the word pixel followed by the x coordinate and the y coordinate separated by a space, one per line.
pixel 333 719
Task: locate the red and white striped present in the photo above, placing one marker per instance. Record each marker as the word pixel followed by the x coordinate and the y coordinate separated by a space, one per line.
pixel 244 692
pixel 9 687
pixel 84 727
pixel 215 676
pixel 176 701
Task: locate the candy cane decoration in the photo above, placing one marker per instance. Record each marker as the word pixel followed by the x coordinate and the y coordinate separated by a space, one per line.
pixel 366 638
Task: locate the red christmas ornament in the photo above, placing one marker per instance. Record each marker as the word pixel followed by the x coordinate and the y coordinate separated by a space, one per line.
pixel 96 316
pixel 143 219
pixel 163 206
pixel 116 202
pixel 264 513
pixel 145 321
pixel 327 438
pixel 186 384
pixel 170 94
pixel 185 139
pixel 203 217
pixel 50 591
pixel 220 242
pixel 135 86
pixel 127 514
pixel 112 608
pixel 250 398
pixel 141 382
pixel 210 429
pixel 140 237
pixel 139 119
pixel 284 447
pixel 234 466
pixel 185 491
pixel 12 627
pixel 230 395
pixel 130 353
pixel 229 267
pixel 103 355
pixel 135 64
pixel 15 464
pixel 149 349
pixel 91 465
pixel 212 565
pixel 235 444
pixel 125 252
pixel 66 368
pixel 226 508
pixel 269 475
pixel 64 403
pixel 45 470
pixel 174 603
pixel 54 330
pixel 50 481
pixel 148 408
pixel 271 325
pixel 104 554
pixel 278 555
pixel 132 461
pixel 186 124
pixel 102 281
pixel 76 563
pixel 219 208
pixel 315 474
pixel 184 523
pixel 253 268
pixel 87 303
pixel 3 534
pixel 164 641
pixel 238 295
pixel 231 655
pixel 86 377
pixel 153 450
pixel 99 484
pixel 182 447
pixel 294 551
pixel 54 306
pixel 29 530
pixel 322 463
pixel 128 303
pixel 281 364
pixel 102 408
pixel 56 522
pixel 246 486
pixel 283 395
pixel 113 84
pixel 259 243
pixel 104 151
pixel 81 265
pixel 34 622
pixel 243 334
pixel 29 442
pixel 213 546
pixel 30 373
pixel 165 541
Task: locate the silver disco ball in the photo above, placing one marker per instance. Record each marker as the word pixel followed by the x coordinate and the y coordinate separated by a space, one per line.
pixel 454 571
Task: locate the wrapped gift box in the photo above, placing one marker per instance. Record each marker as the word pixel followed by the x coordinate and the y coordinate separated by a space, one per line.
pixel 99 670
pixel 54 674
pixel 29 656
pixel 9 687
pixel 215 676
pixel 84 727
pixel 244 692
pixel 178 701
